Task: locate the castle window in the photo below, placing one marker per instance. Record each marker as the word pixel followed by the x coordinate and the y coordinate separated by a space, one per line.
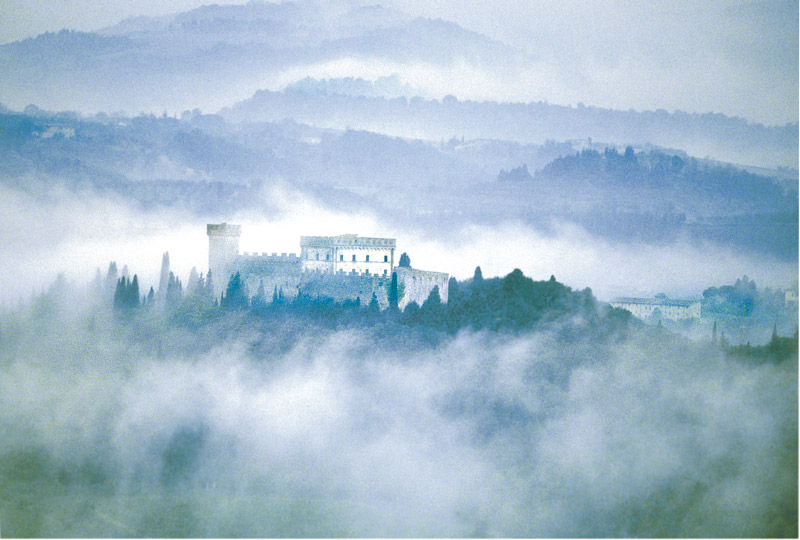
pixel 385 259
pixel 367 258
pixel 354 258
pixel 327 256
pixel 341 258
pixel 384 271
pixel 317 256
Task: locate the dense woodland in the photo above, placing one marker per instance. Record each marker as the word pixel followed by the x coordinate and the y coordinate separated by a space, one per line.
pixel 513 304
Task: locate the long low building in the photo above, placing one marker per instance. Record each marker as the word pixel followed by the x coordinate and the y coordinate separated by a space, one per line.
pixel 644 308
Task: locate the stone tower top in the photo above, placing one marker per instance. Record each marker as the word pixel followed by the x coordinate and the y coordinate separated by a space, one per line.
pixel 223 229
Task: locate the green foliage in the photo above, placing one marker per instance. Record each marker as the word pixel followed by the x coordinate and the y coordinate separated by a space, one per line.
pixel 373 306
pixel 259 301
pixel 514 303
pixel 126 295
pixel 236 297
pixel 405 261
pixel 394 293
pixel 738 299
pixel 518 174
pixel 778 350
pixel 174 294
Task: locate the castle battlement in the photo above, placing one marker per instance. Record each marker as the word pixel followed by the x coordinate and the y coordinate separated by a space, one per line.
pixel 421 274
pixel 264 256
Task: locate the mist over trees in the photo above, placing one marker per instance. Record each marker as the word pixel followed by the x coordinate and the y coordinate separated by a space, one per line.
pixel 309 417
pixel 172 402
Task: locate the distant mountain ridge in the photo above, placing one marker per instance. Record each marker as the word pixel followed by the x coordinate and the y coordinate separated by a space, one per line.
pixel 214 56
pixel 721 137
pixel 235 58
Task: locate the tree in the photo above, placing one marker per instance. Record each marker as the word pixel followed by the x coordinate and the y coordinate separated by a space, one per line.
pixel 478 276
pixel 235 297
pixel 405 260
pixel 133 292
pixel 452 290
pixel 393 297
pixel 433 299
pixel 629 154
pixel 163 281
pixel 373 307
pixel 174 292
pixel 119 294
pixel 194 281
pixel 209 292
pixel 260 299
pixel 126 295
pixel 111 280
pixel 410 313
pixel 432 311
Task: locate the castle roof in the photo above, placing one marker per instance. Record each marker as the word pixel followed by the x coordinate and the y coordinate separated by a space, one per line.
pixel 346 240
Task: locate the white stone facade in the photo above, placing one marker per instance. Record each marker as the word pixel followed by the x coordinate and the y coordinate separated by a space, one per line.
pixel 644 308
pixel 348 254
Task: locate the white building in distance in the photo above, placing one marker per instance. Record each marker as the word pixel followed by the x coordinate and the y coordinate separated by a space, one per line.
pixel 644 308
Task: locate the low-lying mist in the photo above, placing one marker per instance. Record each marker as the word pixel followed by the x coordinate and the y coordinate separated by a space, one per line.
pixel 56 230
pixel 115 427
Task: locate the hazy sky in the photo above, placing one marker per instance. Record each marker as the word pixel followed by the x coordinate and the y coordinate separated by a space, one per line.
pixel 737 57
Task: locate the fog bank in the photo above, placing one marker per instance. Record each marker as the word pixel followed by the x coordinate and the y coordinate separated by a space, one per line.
pixel 346 434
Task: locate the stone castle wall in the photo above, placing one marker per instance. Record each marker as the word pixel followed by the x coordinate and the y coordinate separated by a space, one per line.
pixel 277 272
pixel 418 284
pixel 342 287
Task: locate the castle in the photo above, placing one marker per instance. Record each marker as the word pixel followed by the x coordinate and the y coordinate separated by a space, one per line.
pixel 343 267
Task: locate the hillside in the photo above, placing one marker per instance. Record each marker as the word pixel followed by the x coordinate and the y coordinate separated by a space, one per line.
pixel 267 62
pixel 212 168
pixel 213 56
pixel 727 139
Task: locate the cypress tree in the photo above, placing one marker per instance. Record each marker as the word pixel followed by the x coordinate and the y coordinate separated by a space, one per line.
pixel 373 304
pixel 133 293
pixel 235 294
pixel 393 297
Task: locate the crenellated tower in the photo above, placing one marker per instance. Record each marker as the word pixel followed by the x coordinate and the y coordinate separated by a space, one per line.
pixel 223 249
